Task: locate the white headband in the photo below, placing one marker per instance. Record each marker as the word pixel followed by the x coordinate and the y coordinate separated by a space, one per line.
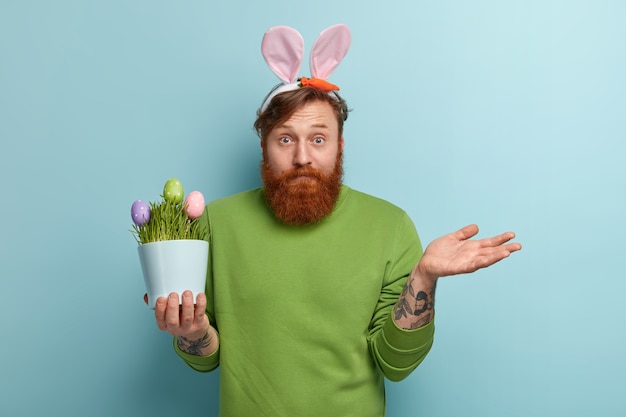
pixel 283 50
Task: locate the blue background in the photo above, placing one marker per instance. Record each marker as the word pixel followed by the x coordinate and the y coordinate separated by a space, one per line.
pixel 507 114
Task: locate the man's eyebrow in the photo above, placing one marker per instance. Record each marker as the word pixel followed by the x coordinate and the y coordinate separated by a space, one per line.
pixel 315 125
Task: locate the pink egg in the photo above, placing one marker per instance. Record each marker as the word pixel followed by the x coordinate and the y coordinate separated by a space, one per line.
pixel 194 204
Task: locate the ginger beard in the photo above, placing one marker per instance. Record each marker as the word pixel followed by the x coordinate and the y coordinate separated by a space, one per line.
pixel 302 201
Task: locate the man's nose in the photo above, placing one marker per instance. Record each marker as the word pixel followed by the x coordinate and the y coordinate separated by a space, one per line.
pixel 302 156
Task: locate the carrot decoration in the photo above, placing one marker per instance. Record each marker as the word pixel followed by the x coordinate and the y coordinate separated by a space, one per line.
pixel 318 83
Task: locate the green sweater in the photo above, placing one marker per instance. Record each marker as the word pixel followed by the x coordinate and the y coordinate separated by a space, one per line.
pixel 304 314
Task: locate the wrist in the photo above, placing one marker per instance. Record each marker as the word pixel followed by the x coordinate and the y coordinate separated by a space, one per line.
pixel 422 275
pixel 199 333
pixel 202 343
pixel 192 337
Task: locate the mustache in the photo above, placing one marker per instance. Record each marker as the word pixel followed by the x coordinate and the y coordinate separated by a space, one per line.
pixel 301 171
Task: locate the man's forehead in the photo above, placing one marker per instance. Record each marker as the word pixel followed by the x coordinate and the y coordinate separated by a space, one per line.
pixel 316 114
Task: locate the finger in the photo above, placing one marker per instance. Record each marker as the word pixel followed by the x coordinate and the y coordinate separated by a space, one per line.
pixel 466 232
pixel 493 255
pixel 488 257
pixel 159 312
pixel 172 312
pixel 513 247
pixel 496 257
pixel 498 240
pixel 187 310
pixel 200 305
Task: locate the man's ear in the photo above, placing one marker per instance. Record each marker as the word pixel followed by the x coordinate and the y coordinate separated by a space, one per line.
pixel 262 142
pixel 341 141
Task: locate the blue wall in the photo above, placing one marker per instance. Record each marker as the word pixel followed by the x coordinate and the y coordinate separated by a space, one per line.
pixel 507 114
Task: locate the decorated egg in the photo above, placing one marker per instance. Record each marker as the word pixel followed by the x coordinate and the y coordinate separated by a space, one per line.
pixel 140 212
pixel 173 191
pixel 194 204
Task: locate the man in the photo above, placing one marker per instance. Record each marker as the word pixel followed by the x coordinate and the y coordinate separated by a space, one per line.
pixel 315 292
pixel 318 291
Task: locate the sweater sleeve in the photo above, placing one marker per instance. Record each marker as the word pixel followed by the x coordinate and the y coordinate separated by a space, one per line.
pixel 199 363
pixel 397 352
pixel 204 363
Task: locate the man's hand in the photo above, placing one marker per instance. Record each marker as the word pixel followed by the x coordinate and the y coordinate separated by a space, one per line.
pixel 455 253
pixel 188 322
pixel 184 319
pixel 448 255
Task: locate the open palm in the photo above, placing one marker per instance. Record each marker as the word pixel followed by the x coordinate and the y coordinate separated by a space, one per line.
pixel 455 253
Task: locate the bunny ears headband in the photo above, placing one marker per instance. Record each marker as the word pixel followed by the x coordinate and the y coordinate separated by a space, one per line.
pixel 283 50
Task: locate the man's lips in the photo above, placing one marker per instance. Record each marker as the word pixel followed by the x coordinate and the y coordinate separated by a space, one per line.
pixel 301 179
pixel 302 175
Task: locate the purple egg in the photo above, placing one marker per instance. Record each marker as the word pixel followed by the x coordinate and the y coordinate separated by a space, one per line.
pixel 140 212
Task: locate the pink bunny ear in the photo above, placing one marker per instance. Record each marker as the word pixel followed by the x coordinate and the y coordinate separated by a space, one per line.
pixel 329 49
pixel 283 49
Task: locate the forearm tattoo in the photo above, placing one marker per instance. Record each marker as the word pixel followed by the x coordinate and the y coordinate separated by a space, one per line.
pixel 414 308
pixel 194 346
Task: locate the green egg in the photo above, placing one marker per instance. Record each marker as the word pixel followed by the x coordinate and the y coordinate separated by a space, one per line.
pixel 173 191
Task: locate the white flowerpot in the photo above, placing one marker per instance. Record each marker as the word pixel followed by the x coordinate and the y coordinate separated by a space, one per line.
pixel 173 266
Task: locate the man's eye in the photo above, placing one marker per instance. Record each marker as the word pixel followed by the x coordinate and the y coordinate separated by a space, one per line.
pixel 318 140
pixel 284 140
